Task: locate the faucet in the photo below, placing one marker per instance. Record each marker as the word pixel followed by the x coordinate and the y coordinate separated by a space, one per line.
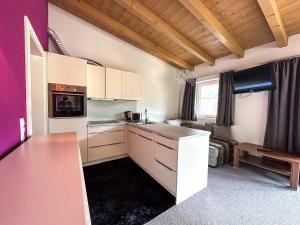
pixel 146 116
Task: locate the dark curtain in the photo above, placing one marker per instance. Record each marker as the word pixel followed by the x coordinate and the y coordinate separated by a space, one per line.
pixel 188 104
pixel 226 101
pixel 283 121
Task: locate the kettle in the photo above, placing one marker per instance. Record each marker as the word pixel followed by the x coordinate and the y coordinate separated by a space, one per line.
pixel 128 115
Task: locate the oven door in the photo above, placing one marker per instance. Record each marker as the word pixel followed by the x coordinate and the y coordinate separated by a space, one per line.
pixel 67 104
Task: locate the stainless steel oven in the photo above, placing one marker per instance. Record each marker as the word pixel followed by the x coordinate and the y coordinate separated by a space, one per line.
pixel 66 100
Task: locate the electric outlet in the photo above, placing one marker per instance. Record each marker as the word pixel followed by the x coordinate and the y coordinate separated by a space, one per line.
pixel 22 129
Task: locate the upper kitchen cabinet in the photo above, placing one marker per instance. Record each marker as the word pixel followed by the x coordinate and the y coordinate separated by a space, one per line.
pixel 131 86
pixel 66 70
pixel 113 83
pixel 95 82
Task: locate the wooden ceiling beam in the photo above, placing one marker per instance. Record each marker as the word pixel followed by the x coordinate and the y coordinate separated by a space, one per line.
pixel 139 10
pixel 273 17
pixel 83 8
pixel 203 14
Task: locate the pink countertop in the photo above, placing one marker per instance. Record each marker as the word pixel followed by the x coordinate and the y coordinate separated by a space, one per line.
pixel 41 183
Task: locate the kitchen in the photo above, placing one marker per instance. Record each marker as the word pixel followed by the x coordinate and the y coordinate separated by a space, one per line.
pixel 99 104
pixel 131 112
pixel 151 145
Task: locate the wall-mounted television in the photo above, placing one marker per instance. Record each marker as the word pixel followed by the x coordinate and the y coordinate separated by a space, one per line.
pixel 259 78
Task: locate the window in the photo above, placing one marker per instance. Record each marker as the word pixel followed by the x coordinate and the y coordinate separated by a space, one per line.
pixel 206 104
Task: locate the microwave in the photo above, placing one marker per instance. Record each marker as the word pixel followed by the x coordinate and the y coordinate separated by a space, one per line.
pixel 66 100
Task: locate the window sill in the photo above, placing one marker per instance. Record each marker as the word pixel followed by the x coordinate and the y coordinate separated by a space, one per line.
pixel 207 119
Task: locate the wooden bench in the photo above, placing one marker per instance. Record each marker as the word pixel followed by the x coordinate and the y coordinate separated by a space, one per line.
pixel 258 157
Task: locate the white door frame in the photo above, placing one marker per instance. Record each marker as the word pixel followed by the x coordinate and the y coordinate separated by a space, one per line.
pixel 32 47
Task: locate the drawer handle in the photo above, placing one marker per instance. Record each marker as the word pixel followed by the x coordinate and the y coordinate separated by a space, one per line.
pixel 103 132
pixel 165 146
pixel 164 165
pixel 145 137
pixel 106 145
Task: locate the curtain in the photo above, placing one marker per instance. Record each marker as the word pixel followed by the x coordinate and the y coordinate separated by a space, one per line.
pixel 226 101
pixel 188 104
pixel 283 121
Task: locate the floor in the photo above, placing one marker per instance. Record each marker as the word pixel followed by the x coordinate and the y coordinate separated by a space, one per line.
pixel 245 196
pixel 121 193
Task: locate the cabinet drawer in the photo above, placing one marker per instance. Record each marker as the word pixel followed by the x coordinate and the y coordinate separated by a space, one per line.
pixel 165 175
pixel 133 129
pixel 106 138
pixel 146 134
pixel 105 151
pixel 167 156
pixel 166 141
pixel 106 128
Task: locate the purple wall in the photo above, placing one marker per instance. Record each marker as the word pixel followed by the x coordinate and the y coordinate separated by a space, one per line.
pixel 12 63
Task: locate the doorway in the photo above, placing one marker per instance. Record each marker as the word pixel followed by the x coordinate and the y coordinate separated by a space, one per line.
pixel 36 83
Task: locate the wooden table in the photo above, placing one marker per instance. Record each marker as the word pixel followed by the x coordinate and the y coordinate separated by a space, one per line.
pixel 259 154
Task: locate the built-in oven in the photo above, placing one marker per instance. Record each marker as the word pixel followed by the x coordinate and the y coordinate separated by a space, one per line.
pixel 66 100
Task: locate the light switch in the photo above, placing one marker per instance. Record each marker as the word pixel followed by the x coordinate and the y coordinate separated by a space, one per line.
pixel 22 129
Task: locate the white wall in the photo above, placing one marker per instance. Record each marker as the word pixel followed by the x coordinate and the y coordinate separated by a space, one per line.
pixel 251 112
pixel 82 39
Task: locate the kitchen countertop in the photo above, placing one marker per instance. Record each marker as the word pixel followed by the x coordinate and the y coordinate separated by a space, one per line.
pixel 105 122
pixel 41 183
pixel 173 132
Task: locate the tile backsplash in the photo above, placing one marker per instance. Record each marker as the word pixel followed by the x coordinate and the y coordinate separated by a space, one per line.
pixel 109 110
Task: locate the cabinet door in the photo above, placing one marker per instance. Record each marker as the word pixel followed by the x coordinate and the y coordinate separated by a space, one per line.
pixel 113 79
pixel 78 125
pixel 66 70
pixel 131 86
pixel 95 82
pixel 133 146
pixel 146 153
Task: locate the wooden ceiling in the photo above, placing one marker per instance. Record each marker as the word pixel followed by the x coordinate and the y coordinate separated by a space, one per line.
pixel 185 33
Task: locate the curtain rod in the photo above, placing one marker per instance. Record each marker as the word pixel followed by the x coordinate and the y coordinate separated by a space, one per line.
pixel 271 61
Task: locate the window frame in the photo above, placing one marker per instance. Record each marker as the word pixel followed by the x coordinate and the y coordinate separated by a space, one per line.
pixel 198 98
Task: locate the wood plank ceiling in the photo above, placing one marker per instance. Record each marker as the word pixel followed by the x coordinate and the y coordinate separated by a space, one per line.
pixel 185 33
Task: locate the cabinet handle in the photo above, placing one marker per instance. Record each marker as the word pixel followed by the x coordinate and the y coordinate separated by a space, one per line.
pixel 164 165
pixel 144 137
pixel 165 146
pixel 106 145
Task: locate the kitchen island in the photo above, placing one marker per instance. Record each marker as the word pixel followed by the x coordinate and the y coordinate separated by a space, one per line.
pixel 42 183
pixel 176 157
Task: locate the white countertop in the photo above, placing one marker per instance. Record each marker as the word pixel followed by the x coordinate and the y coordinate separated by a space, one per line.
pixel 173 132
pixel 41 182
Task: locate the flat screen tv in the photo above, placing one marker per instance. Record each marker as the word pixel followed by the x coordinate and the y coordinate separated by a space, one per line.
pixel 255 79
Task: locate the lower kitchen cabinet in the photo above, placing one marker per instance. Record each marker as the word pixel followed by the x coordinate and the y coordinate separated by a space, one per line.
pixel 105 141
pixel 165 175
pixel 105 151
pixel 180 165
pixel 141 150
pixel 78 125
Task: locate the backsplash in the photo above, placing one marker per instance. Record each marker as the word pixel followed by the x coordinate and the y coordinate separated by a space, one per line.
pixel 109 110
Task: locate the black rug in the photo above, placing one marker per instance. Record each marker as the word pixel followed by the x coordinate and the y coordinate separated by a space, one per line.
pixel 120 193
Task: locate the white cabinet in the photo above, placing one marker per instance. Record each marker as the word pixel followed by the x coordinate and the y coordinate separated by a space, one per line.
pixel 95 82
pixel 180 165
pixel 105 142
pixel 131 86
pixel 133 147
pixel 66 70
pixel 113 83
pixel 146 153
pixel 78 125
pixel 141 148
